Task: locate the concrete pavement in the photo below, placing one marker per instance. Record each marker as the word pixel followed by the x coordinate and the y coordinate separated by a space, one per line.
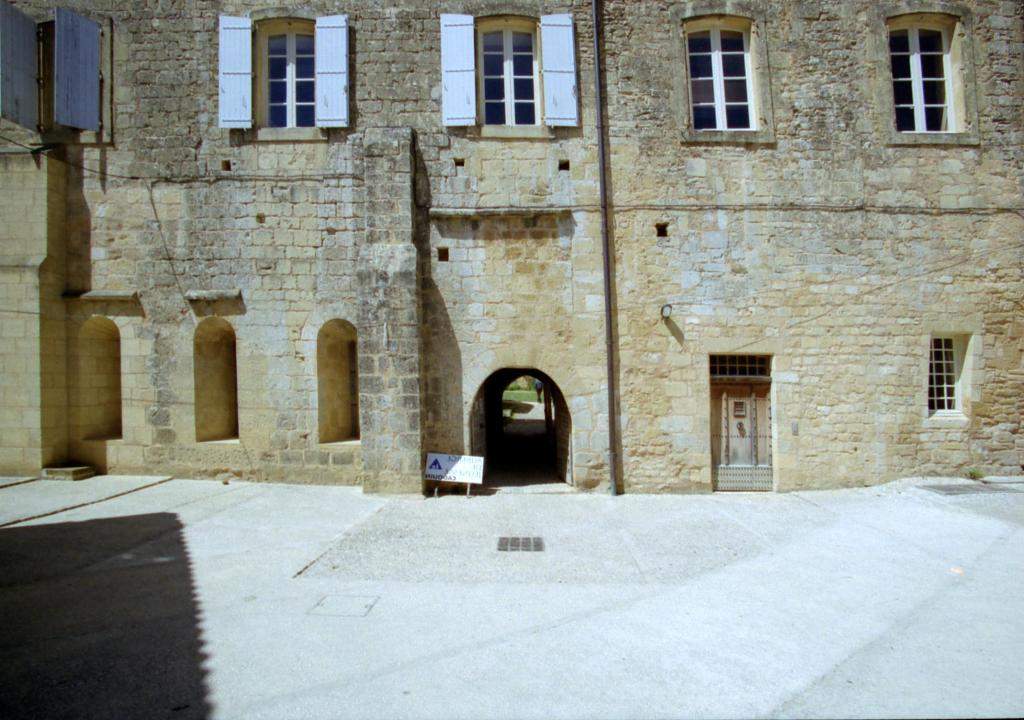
pixel 194 599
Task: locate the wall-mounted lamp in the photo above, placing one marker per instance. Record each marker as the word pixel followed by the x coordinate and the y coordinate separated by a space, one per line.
pixel 666 312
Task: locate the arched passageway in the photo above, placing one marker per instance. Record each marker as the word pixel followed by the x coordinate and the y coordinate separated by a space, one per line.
pixel 521 424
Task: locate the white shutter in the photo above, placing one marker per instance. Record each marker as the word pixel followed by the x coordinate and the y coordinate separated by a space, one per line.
pixel 76 71
pixel 458 70
pixel 558 51
pixel 332 71
pixel 19 93
pixel 235 67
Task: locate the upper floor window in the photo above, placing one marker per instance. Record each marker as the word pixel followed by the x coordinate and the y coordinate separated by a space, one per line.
pixel 508 73
pixel 721 78
pixel 922 76
pixel 290 83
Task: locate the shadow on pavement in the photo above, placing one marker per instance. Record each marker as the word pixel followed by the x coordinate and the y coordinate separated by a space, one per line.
pixel 100 620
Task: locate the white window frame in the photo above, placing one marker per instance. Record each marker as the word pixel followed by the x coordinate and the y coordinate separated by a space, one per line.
pixel 287 28
pixel 715 27
pixel 917 77
pixel 957 348
pixel 507 27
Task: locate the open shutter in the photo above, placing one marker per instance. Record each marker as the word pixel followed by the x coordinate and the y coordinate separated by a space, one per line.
pixel 558 51
pixel 458 70
pixel 76 71
pixel 235 66
pixel 19 93
pixel 332 71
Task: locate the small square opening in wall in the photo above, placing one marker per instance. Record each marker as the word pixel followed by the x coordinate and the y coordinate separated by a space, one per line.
pixel 460 162
pixel 563 166
pixel 442 254
pixel 225 165
pixel 661 229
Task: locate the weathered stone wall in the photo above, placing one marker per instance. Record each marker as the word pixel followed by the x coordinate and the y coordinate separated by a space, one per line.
pixel 827 247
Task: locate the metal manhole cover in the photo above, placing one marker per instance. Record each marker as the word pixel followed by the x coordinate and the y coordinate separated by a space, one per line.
pixel 965 489
pixel 521 544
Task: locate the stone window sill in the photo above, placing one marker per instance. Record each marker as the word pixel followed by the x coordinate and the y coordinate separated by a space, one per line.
pixel 228 441
pixel 292 135
pixel 954 420
pixel 908 139
pixel 342 445
pixel 729 137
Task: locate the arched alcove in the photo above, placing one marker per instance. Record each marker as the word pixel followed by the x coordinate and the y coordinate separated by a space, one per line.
pixel 216 381
pixel 337 382
pixel 98 381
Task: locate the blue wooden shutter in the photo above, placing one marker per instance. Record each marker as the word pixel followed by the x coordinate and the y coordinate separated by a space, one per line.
pixel 76 71
pixel 19 92
pixel 235 70
pixel 458 70
pixel 332 71
pixel 558 52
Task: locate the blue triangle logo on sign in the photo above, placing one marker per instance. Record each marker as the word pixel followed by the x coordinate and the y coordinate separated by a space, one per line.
pixel 435 465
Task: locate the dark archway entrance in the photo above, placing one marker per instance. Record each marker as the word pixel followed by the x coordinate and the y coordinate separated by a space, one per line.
pixel 521 424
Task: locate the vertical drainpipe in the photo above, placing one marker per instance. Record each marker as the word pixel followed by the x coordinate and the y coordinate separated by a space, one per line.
pixel 609 335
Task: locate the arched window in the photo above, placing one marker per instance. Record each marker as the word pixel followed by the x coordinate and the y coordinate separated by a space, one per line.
pixel 98 380
pixel 509 71
pixel 288 88
pixel 721 74
pixel 216 381
pixel 337 382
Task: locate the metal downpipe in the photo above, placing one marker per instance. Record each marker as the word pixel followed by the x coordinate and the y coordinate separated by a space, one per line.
pixel 609 334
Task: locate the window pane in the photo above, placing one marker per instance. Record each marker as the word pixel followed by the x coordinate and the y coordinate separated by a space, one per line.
pixel 930 40
pixel 304 116
pixel 304 91
pixel 935 119
pixel 277 68
pixel 899 41
pixel 493 42
pixel 735 90
pixel 734 66
pixel 732 41
pixel 303 44
pixel 700 66
pixel 525 114
pixel 494 113
pixel 304 67
pixel 703 91
pixel 931 66
pixel 901 66
pixel 277 45
pixel 522 65
pixel 278 91
pixel 494 89
pixel 524 89
pixel 935 92
pixel 278 116
pixel 903 92
pixel 704 118
pixel 493 65
pixel 737 117
pixel 699 42
pixel 522 42
pixel 905 119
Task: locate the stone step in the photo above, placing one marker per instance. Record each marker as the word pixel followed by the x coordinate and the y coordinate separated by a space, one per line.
pixel 68 472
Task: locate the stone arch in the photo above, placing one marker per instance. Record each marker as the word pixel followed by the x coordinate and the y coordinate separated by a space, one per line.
pixel 550 457
pixel 337 382
pixel 216 380
pixel 97 378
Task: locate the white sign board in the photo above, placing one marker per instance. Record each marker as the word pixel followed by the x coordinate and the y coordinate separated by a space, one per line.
pixel 455 468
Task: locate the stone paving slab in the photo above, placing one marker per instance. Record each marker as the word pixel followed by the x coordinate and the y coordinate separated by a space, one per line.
pixel 47 496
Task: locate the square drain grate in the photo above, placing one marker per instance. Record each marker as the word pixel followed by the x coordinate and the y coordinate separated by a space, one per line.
pixel 965 489
pixel 521 544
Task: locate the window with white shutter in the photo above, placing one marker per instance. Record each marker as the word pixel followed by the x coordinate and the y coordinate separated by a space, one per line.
pixel 561 104
pixel 508 75
pixel 19 98
pixel 235 71
pixel 332 71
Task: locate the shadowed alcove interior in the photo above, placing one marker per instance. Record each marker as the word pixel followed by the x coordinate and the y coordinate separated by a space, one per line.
pixel 337 382
pixel 97 381
pixel 216 381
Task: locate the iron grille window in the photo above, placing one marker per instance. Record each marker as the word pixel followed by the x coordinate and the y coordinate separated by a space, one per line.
pixel 942 375
pixel 739 366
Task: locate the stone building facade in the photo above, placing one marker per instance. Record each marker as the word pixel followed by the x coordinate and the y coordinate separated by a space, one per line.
pixel 181 297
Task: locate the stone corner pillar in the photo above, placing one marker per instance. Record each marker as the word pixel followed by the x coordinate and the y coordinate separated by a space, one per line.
pixel 389 318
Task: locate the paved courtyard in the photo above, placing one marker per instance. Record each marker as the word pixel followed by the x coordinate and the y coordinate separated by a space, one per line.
pixel 157 598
